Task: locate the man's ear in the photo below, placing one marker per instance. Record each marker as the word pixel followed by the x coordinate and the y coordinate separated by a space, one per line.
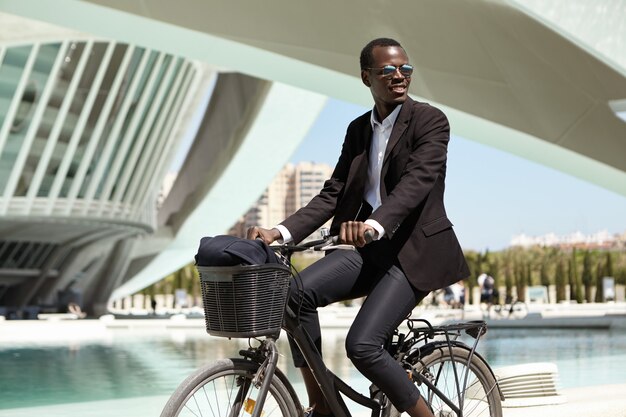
pixel 365 78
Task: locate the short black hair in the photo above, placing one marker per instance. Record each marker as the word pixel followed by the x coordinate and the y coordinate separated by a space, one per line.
pixel 366 58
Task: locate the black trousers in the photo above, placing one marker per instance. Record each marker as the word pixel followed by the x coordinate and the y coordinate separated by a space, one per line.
pixel 344 275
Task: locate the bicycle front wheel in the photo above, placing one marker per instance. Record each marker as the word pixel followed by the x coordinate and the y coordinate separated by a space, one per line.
pixel 469 386
pixel 225 389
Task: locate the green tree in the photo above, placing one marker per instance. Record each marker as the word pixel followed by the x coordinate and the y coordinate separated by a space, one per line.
pixel 574 289
pixel 599 289
pixel 560 282
pixel 620 276
pixel 571 277
pixel 508 283
pixel 608 266
pixel 544 278
pixel 587 276
pixel 485 258
pixel 520 282
pixel 578 290
pixel 580 298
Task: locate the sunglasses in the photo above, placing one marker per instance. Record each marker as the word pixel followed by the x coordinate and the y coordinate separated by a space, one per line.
pixel 389 70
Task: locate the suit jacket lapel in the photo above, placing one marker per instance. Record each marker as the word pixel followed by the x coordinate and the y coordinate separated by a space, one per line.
pixel 355 182
pixel 363 163
pixel 360 148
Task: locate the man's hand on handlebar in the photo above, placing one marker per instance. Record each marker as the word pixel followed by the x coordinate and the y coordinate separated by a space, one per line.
pixel 267 235
pixel 354 233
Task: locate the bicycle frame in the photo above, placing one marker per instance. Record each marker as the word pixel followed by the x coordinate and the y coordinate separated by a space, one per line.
pixel 330 384
pixel 429 355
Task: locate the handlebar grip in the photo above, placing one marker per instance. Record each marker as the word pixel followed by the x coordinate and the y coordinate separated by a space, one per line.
pixel 369 236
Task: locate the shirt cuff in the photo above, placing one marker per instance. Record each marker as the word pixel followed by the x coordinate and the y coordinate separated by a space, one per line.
pixel 284 233
pixel 377 227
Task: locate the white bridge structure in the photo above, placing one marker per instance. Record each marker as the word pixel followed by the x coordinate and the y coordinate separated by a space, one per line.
pixel 99 97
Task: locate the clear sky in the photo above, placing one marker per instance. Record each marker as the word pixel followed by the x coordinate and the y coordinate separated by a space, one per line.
pixel 491 195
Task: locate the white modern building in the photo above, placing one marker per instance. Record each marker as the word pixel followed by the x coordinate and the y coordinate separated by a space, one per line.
pixel 99 97
pixel 89 129
pixel 600 239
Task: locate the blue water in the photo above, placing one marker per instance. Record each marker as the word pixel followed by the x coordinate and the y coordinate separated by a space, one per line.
pixel 127 364
pixel 583 357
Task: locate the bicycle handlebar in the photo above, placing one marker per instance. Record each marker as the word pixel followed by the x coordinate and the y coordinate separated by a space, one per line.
pixel 331 242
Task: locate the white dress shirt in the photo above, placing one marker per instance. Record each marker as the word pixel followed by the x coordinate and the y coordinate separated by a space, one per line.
pixel 381 132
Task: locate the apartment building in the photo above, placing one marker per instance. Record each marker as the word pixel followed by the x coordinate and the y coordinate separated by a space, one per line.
pixel 292 188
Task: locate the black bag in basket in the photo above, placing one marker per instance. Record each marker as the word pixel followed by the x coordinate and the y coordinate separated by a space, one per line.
pixel 224 250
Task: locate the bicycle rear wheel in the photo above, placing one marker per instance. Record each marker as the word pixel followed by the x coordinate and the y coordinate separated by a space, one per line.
pixel 473 388
pixel 225 389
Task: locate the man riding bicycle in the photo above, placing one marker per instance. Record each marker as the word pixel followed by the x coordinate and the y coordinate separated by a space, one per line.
pixel 389 181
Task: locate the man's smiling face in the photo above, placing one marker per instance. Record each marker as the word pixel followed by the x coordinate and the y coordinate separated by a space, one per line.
pixel 387 90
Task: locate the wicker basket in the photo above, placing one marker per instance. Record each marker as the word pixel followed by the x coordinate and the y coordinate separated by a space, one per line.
pixel 244 301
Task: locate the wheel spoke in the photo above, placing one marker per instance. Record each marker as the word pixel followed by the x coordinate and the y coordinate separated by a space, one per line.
pixel 463 378
pixel 220 390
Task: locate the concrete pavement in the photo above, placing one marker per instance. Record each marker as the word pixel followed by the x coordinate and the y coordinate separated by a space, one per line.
pixel 596 401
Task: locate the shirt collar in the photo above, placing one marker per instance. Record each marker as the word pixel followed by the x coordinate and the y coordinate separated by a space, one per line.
pixel 389 120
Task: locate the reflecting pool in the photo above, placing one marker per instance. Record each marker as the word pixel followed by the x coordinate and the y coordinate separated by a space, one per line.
pixel 127 363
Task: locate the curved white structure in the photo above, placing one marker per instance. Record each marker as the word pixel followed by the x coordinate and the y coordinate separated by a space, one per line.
pixel 534 78
pixel 87 125
pixel 82 157
pixel 89 128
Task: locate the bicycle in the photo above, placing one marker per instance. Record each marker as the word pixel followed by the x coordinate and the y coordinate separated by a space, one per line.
pixel 451 376
pixel 513 309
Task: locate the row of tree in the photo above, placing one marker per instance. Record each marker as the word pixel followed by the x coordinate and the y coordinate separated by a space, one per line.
pixel 186 278
pixel 579 271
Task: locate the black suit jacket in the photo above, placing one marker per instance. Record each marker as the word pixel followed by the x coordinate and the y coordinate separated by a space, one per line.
pixel 413 175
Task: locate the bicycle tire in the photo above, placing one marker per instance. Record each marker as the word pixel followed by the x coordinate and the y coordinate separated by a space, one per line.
pixel 481 398
pixel 216 390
